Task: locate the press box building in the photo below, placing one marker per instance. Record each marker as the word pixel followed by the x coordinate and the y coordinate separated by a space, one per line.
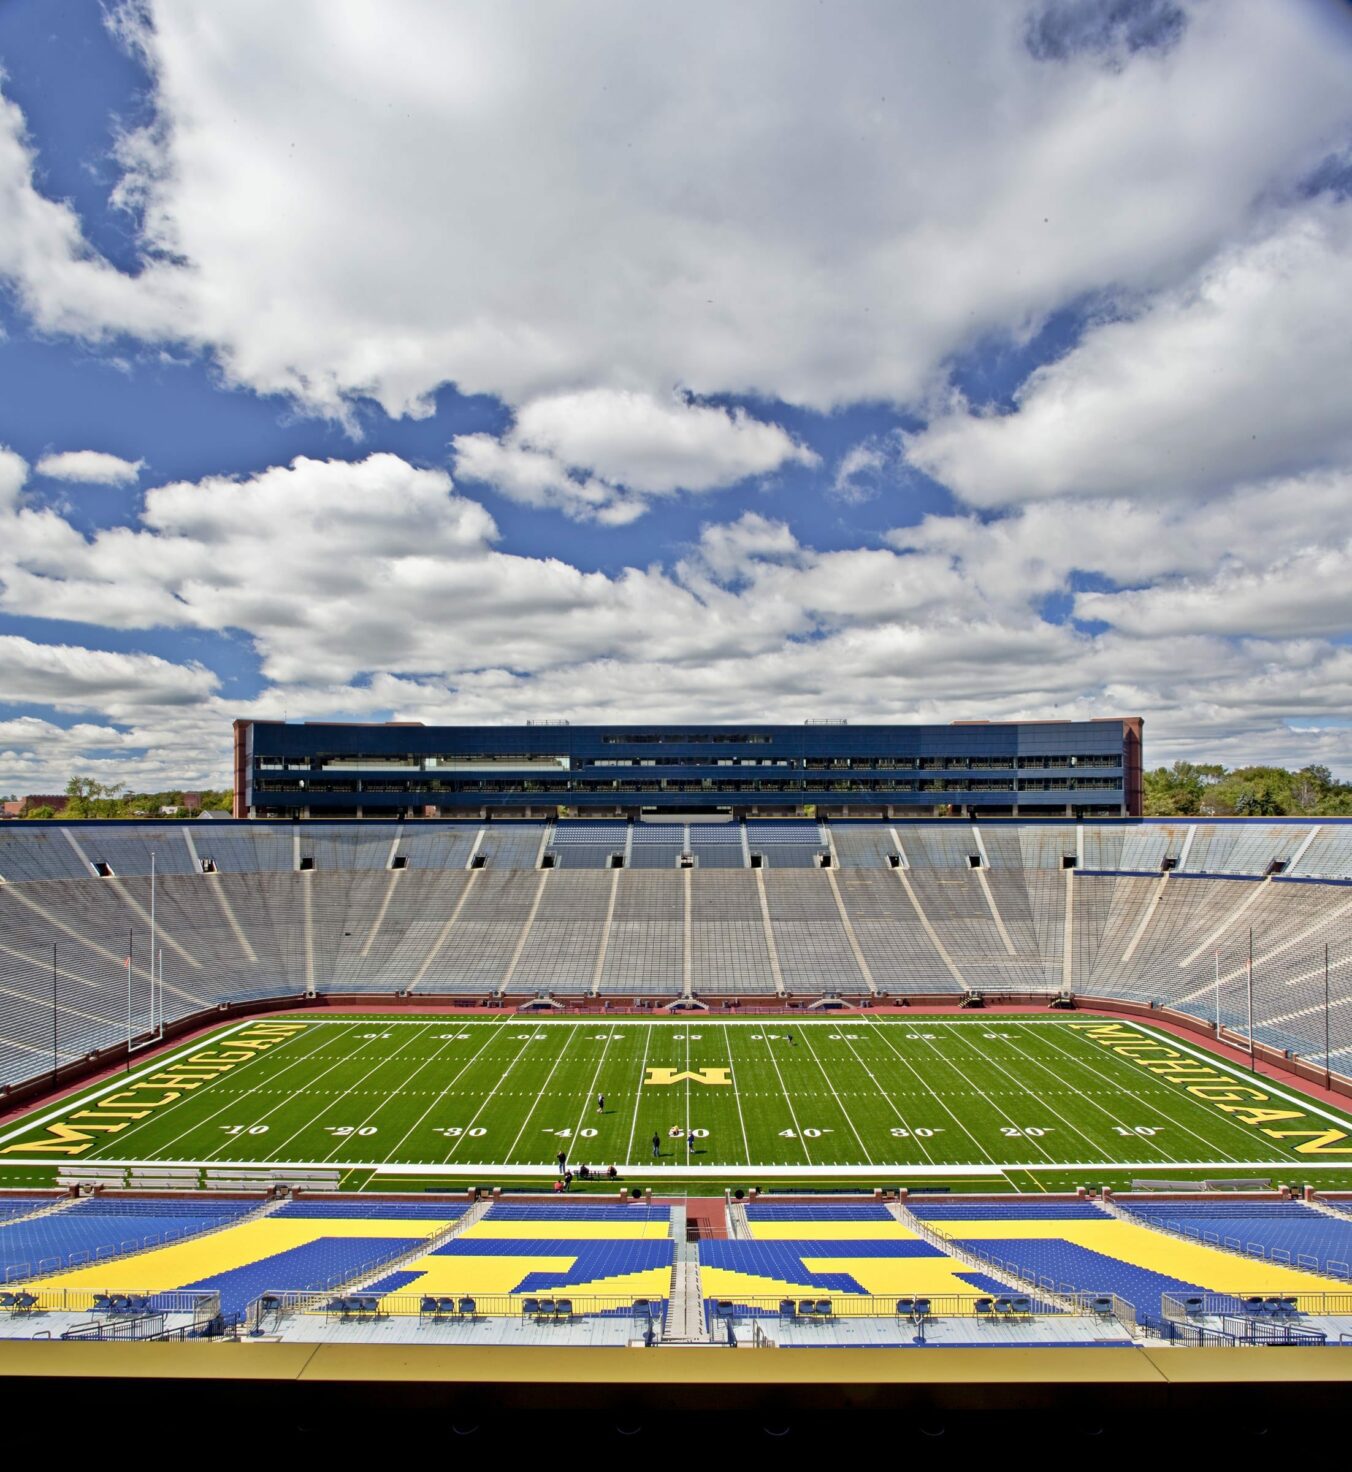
pixel 1026 769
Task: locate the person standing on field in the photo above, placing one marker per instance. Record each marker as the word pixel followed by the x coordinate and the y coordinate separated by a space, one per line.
pixel 600 1103
pixel 657 1144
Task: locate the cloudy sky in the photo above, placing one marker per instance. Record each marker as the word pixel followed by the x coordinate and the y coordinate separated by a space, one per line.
pixel 373 359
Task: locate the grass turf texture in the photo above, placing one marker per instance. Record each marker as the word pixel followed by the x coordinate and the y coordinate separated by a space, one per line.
pixel 973 1103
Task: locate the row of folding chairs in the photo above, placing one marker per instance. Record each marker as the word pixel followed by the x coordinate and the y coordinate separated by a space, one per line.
pixel 547 1310
pixel 449 1308
pixel 1003 1308
pixel 812 1309
pixel 18 1302
pixel 355 1306
pixel 121 1303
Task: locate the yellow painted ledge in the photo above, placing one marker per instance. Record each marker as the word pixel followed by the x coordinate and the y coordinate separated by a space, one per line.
pixel 851 1373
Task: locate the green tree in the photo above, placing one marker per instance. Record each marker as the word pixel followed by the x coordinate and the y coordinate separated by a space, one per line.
pixel 89 798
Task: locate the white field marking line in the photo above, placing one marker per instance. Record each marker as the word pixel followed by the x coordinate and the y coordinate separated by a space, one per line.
pixel 544 1089
pixel 1158 1109
pixel 1310 1107
pixel 638 1095
pixel 309 1083
pixel 901 1057
pixel 591 1093
pixel 689 1151
pixel 1037 1099
pixel 986 1099
pixel 1036 1062
pixel 125 1080
pixel 487 1098
pixel 788 1172
pixel 736 1089
pixel 887 1098
pixel 765 1038
pixel 232 1099
pixel 488 1029
pixel 337 1063
pixel 581 1019
pixel 404 1083
pixel 839 1102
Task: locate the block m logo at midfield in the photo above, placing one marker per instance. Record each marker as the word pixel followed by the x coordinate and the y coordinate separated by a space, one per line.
pixel 698 1076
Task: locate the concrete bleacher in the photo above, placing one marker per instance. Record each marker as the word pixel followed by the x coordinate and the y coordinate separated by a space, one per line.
pixel 391 907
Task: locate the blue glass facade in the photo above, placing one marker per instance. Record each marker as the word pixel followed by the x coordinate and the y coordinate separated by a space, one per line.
pixel 1043 768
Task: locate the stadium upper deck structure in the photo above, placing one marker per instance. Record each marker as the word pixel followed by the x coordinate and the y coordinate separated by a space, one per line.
pixel 821 768
pixel 773 912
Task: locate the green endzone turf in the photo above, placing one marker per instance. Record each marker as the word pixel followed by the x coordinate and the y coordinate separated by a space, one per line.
pixel 986 1102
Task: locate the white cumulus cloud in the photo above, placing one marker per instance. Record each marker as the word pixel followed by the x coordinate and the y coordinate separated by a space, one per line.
pixel 1240 373
pixel 90 467
pixel 603 454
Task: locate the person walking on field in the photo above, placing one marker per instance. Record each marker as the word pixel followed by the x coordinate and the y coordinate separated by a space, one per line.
pixel 657 1144
pixel 600 1103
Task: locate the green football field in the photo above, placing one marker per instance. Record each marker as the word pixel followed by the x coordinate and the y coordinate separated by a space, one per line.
pixel 406 1102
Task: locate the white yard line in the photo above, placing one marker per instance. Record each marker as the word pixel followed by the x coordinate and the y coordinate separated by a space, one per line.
pixel 840 1104
pixel 489 1033
pixel 389 1057
pixel 891 1103
pixel 347 1058
pixel 933 1092
pixel 405 1082
pixel 544 1089
pixel 638 1095
pixel 484 1103
pixel 1145 1104
pixel 1116 1119
pixel 232 1101
pixel 765 1038
pixel 787 1172
pixel 736 1090
pixel 1037 1099
pixel 600 1064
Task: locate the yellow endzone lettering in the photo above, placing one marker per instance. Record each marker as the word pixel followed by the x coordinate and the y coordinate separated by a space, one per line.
pixel 1317 1142
pixel 59 1133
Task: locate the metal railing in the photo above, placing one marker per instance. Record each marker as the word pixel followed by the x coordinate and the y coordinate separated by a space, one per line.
pixel 444 1308
pixel 993 1306
pixel 1259 1251
pixel 1178 1307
